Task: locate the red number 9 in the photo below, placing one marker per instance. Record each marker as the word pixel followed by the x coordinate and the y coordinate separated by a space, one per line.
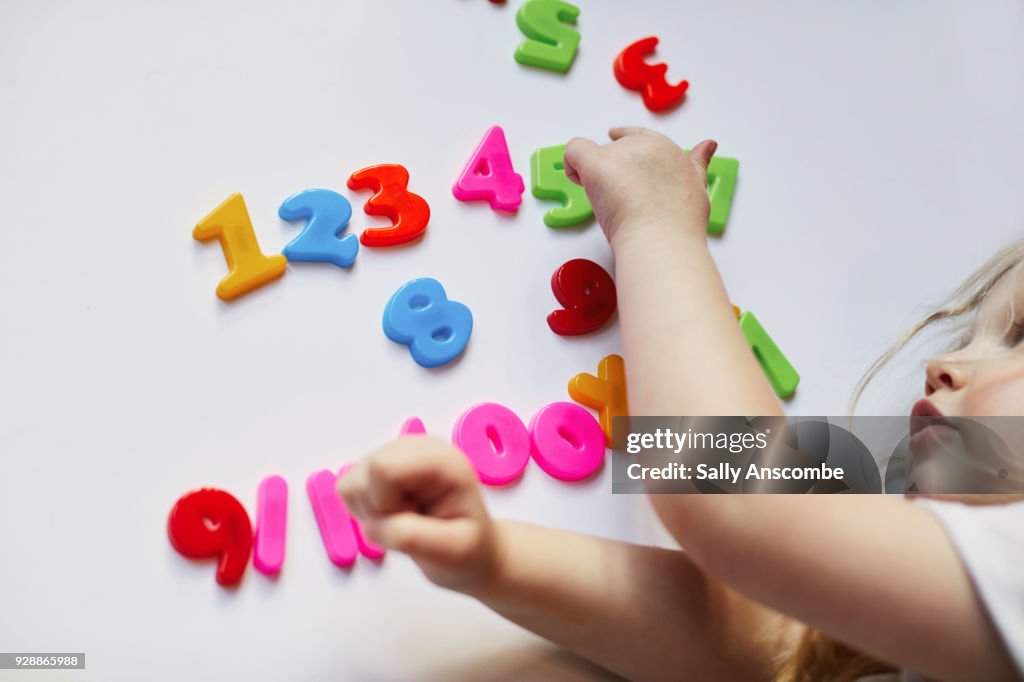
pixel 209 523
pixel 586 292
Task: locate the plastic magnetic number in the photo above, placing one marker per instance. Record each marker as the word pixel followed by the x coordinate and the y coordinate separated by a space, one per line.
pixel 340 531
pixel 248 267
pixel 548 181
pixel 208 523
pixel 605 393
pixel 327 214
pixel 722 173
pixel 566 441
pixel 587 294
pixel 271 525
pixel 408 212
pixel 489 175
pixel 549 44
pixel 495 441
pixel 634 73
pixel 420 316
pixel 780 372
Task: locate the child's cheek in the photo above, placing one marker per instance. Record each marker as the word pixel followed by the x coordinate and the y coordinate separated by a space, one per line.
pixel 996 391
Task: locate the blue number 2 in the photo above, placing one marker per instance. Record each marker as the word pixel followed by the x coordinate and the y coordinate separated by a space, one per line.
pixel 327 214
pixel 420 316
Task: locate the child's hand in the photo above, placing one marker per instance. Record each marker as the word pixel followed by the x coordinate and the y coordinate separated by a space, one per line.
pixel 642 180
pixel 420 496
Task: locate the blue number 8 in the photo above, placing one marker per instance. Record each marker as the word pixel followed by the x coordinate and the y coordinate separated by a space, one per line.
pixel 327 214
pixel 420 316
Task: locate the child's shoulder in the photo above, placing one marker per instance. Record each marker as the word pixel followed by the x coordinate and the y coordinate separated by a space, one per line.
pixel 989 539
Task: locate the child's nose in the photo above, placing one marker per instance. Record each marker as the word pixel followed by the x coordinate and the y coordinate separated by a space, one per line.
pixel 945 373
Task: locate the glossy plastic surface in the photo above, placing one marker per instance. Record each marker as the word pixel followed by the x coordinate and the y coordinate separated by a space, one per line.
pixel 566 441
pixel 722 174
pixel 271 525
pixel 332 518
pixel 781 374
pixel 326 214
pixel 634 73
pixel 605 392
pixel 211 523
pixel 408 212
pixel 412 427
pixel 550 44
pixel 495 441
pixel 490 176
pixel 549 181
pixel 420 316
pixel 587 294
pixel 248 267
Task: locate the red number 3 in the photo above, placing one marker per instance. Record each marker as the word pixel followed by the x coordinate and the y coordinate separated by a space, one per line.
pixel 409 212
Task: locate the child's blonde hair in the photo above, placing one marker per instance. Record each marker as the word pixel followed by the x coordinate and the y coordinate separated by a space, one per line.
pixel 816 656
pixel 965 300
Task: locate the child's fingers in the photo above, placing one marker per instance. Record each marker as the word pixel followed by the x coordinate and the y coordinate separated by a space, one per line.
pixel 425 538
pixel 619 132
pixel 701 155
pixel 413 474
pixel 578 153
pixel 352 488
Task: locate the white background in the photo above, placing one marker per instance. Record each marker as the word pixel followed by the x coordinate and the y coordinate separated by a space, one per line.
pixel 881 152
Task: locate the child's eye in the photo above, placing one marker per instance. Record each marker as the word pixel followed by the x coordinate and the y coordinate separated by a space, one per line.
pixel 1016 334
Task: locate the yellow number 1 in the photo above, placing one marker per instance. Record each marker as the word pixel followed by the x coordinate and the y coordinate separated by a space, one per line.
pixel 229 223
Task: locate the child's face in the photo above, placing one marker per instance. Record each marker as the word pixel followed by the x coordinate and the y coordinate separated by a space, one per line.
pixel 986 376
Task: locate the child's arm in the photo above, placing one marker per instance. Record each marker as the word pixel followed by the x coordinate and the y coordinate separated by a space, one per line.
pixel 643 612
pixel 685 353
pixel 875 572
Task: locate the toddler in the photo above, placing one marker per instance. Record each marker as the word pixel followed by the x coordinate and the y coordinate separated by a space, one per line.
pixel 784 587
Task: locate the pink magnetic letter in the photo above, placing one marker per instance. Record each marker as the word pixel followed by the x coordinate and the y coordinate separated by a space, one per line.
pixel 333 518
pixel 271 525
pixel 567 441
pixel 368 549
pixel 412 427
pixel 495 440
pixel 489 175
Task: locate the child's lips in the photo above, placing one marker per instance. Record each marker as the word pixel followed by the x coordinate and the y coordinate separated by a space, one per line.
pixel 926 414
pixel 928 427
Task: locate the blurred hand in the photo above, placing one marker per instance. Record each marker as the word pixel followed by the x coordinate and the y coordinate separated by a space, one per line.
pixel 642 180
pixel 420 496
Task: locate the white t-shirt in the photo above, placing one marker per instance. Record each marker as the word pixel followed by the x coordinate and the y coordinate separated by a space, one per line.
pixel 990 542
